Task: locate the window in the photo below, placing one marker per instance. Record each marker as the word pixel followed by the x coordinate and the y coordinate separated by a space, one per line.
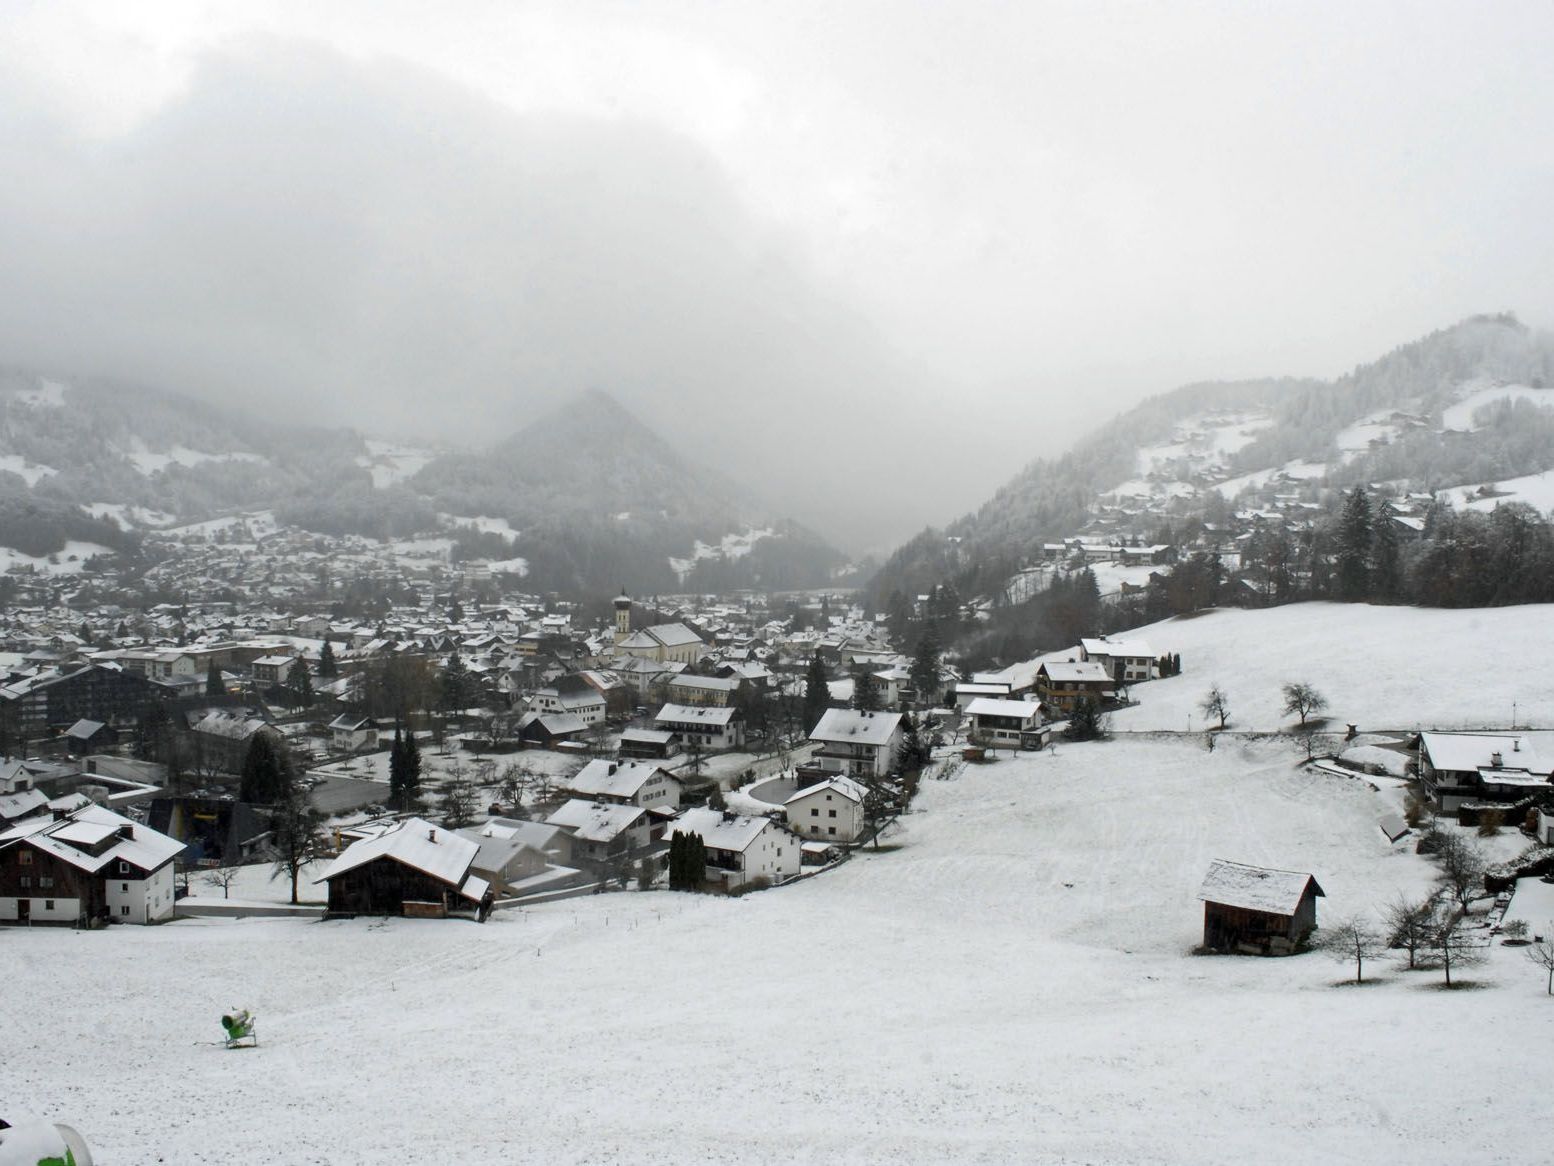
pixel 45 881
pixel 124 910
pixel 24 857
pixel 123 867
pixel 815 813
pixel 830 829
pixel 831 813
pixel 124 886
pixel 48 904
pixel 26 881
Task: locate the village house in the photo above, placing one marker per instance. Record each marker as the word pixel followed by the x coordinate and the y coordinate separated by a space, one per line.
pixel 1062 684
pixel 604 834
pixel 272 669
pixel 857 743
pixel 742 849
pixel 409 868
pixel 1257 910
pixel 627 783
pixel 1012 724
pixel 648 744
pixel 1459 768
pixel 832 810
pixel 574 695
pixel 72 862
pixel 552 841
pixel 690 689
pixel 706 727
pixel 1128 661
pixel 967 691
pixel 350 734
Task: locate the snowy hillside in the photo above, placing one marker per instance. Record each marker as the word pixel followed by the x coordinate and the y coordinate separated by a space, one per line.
pixel 1380 667
pixel 1011 984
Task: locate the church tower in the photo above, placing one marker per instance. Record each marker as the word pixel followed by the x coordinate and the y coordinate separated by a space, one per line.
pixel 622 616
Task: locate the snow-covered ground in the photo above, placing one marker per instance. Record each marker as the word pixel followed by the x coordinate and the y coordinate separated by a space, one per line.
pixel 1460 415
pixel 390 463
pixel 48 395
pixel 1536 490
pixel 30 472
pixel 149 461
pixel 1379 667
pixel 484 524
pixel 126 516
pixel 68 561
pixel 1012 983
pixel 1257 479
pixel 732 546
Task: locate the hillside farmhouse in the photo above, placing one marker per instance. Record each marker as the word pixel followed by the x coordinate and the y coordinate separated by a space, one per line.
pixel 1257 910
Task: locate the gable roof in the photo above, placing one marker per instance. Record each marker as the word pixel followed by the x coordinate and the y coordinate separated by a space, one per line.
pixel 621 779
pixel 719 715
pixel 987 706
pixel 595 821
pixel 1256 888
pixel 721 830
pixel 844 786
pixel 853 727
pixel 416 843
pixel 91 825
pixel 1075 671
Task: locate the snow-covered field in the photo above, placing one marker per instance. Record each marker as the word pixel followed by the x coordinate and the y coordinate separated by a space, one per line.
pixel 1379 667
pixel 1012 983
pixel 30 472
pixel 1536 490
pixel 69 560
pixel 389 462
pixel 1460 415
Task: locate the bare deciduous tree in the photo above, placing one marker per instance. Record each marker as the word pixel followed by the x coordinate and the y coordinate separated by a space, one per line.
pixel 1410 924
pixel 1542 953
pixel 1354 938
pixel 1303 700
pixel 222 876
pixel 1456 947
pixel 1216 704
pixel 1462 867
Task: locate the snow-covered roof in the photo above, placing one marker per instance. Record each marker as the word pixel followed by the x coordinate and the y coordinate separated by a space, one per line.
pixel 415 842
pixel 619 779
pixel 719 715
pixel 595 821
pixel 21 803
pixel 648 736
pixel 1076 671
pixel 845 786
pixel 721 830
pixel 85 826
pixel 1116 648
pixel 1255 888
pixel 987 706
pixel 1467 752
pixel 540 835
pixel 855 727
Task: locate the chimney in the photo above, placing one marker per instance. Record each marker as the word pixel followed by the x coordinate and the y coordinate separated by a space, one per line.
pixel 1516 744
pixel 612 769
pixel 126 831
pixel 432 834
pixel 1496 759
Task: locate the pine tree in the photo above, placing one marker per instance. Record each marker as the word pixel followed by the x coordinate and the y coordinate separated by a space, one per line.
pixel 328 667
pixel 1386 566
pixel 1354 547
pixel 925 666
pixel 817 693
pixel 266 775
pixel 866 691
pixel 455 684
pixel 1085 722
pixel 397 769
pixel 300 681
pixel 412 780
pixel 213 682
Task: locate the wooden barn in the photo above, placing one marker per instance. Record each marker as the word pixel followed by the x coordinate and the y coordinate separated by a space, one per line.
pixel 1256 910
pixel 410 868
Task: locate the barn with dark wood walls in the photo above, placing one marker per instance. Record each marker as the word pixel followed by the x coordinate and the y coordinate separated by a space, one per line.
pixel 1257 910
pixel 411 868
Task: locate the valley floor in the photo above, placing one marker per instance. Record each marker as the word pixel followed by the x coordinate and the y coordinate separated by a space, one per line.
pixel 1011 983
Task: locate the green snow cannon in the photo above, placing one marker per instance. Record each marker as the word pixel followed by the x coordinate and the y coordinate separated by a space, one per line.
pixel 34 1142
pixel 241 1025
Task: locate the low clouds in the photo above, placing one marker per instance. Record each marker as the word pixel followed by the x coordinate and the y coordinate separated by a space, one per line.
pixel 366 244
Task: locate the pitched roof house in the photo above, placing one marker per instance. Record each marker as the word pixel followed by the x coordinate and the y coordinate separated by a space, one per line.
pixel 1257 910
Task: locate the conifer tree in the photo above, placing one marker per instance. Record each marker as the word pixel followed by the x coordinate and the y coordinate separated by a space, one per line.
pixel 412 776
pixel 300 682
pixel 328 667
pixel 866 691
pixel 817 693
pixel 1354 547
pixel 213 682
pixel 266 772
pixel 397 769
pixel 925 666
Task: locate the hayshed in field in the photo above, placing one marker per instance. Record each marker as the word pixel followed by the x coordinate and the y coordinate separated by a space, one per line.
pixel 1257 910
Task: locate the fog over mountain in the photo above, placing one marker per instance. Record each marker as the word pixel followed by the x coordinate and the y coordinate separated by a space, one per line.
pixel 866 258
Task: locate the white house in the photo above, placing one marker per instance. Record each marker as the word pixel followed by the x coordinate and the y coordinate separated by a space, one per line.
pixel 707 726
pixel 580 701
pixel 77 862
pixel 832 811
pixel 1128 661
pixel 350 733
pixel 1010 723
pixel 856 742
pixel 633 783
pixel 741 849
pixel 603 832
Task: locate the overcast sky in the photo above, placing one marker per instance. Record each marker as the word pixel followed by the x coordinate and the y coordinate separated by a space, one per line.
pixel 872 257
